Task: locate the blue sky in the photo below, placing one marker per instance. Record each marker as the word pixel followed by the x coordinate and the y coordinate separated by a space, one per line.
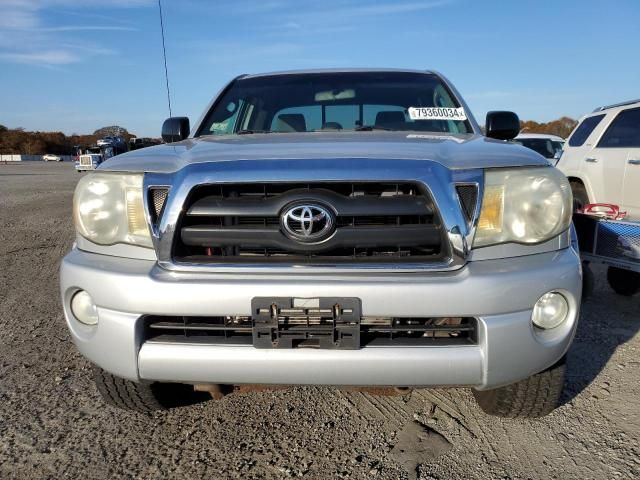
pixel 77 65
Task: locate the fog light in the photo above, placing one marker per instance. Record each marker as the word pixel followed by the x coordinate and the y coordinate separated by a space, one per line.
pixel 550 311
pixel 84 309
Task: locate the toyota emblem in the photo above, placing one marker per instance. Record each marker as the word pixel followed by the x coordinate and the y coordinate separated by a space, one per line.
pixel 308 223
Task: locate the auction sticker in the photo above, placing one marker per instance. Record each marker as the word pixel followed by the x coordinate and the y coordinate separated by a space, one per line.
pixel 437 113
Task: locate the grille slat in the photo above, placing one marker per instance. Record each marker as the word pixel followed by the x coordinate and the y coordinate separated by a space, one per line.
pixel 346 237
pixel 382 222
pixel 355 206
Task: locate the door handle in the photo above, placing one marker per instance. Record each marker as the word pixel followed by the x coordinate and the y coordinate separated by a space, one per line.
pixel 591 160
pixel 634 161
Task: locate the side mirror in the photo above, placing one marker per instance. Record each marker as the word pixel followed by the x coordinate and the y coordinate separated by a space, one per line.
pixel 175 129
pixel 502 125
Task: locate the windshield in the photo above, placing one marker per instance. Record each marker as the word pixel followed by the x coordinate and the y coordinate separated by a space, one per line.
pixel 359 101
pixel 545 147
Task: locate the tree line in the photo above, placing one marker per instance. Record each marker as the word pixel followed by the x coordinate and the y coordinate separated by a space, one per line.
pixel 561 127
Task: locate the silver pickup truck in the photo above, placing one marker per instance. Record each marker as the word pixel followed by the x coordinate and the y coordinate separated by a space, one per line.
pixel 335 227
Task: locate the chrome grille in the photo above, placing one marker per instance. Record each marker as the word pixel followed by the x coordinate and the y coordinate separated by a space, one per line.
pixel 375 222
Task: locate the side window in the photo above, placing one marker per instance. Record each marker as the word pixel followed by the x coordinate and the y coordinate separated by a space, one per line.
pixel 624 131
pixel 342 116
pixel 297 119
pixel 226 124
pixel 441 98
pixel 584 130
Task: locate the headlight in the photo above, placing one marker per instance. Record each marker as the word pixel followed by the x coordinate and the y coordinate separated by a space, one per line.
pixel 524 205
pixel 108 209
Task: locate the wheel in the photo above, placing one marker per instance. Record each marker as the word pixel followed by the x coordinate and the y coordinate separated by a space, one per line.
pixel 532 397
pixel 588 281
pixel 143 397
pixel 580 196
pixel 623 282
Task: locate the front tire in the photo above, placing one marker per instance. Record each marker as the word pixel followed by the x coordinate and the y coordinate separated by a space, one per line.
pixel 125 394
pixel 532 397
pixel 623 282
pixel 143 397
pixel 580 196
pixel 588 281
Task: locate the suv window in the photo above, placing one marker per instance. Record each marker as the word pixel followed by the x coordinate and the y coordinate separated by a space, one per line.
pixel 584 130
pixel 624 131
pixel 307 102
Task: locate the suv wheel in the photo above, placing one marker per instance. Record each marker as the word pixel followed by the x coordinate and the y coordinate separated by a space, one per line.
pixel 623 282
pixel 143 397
pixel 533 397
pixel 580 197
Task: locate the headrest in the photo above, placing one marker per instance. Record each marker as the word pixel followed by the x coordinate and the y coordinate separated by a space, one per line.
pixel 331 126
pixel 290 122
pixel 389 118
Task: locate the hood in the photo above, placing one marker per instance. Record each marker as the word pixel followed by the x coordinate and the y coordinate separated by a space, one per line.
pixel 452 151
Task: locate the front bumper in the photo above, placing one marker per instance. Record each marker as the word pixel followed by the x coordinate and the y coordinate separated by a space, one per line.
pixel 499 293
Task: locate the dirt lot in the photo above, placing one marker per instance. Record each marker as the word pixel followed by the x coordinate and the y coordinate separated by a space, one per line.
pixel 53 424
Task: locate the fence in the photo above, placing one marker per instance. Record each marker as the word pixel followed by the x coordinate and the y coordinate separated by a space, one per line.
pixel 29 158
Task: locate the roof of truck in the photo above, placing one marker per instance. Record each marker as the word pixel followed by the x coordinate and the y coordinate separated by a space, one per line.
pixel 337 70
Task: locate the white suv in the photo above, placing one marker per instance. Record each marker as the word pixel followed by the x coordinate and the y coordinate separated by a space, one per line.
pixel 602 158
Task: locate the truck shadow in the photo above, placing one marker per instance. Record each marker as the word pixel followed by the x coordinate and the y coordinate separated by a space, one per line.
pixel 607 321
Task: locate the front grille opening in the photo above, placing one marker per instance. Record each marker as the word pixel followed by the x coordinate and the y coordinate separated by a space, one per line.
pixel 157 199
pixel 375 222
pixel 468 195
pixel 418 330
pixel 374 331
pixel 270 190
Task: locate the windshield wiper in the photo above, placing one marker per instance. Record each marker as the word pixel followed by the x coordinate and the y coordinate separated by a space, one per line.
pixel 369 128
pixel 249 132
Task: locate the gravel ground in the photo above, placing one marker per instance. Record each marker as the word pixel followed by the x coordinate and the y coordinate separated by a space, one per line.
pixel 54 425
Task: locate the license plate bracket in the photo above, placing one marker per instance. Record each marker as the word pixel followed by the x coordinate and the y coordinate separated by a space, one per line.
pixel 324 322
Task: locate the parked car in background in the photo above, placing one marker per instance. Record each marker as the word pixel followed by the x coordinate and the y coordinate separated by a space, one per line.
pixel 137 143
pixel 108 140
pixel 50 157
pixel 602 158
pixel 549 146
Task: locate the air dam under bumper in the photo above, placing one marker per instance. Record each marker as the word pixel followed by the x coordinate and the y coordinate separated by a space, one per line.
pixel 499 293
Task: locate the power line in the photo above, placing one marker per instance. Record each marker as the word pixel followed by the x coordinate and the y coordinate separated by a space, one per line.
pixel 164 54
